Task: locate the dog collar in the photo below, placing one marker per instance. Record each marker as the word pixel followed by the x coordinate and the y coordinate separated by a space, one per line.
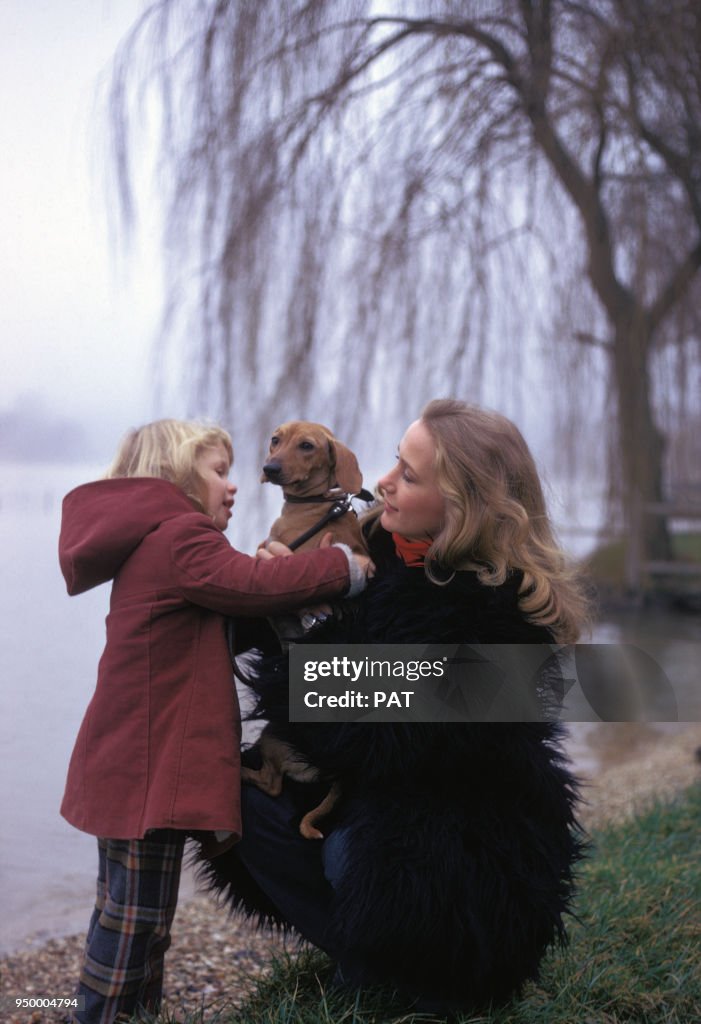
pixel 315 499
pixel 335 494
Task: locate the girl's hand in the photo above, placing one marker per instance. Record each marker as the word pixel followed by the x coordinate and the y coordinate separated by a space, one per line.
pixel 366 564
pixel 276 549
pixel 273 549
pixel 364 561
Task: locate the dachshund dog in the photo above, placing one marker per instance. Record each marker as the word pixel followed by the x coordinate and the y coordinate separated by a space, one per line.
pixel 318 475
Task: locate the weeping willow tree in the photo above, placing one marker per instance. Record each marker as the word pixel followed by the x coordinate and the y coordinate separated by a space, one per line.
pixel 365 198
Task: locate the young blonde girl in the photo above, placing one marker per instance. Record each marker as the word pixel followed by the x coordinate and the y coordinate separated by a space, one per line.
pixel 157 755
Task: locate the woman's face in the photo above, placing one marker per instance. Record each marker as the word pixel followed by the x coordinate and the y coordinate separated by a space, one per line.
pixel 414 506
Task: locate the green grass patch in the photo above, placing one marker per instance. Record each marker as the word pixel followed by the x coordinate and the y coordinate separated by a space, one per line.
pixel 687 545
pixel 606 565
pixel 634 955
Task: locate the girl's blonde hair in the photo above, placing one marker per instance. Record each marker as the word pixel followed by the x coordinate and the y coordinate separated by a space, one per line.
pixel 496 518
pixel 169 449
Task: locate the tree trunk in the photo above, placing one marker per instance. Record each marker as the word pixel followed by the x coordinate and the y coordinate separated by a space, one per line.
pixel 641 446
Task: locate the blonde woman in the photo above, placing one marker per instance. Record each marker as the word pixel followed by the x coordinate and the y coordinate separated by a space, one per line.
pixel 157 755
pixel 447 864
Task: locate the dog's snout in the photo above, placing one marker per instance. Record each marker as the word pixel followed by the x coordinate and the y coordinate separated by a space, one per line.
pixel 272 470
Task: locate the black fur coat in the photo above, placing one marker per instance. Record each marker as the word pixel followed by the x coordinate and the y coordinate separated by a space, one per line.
pixel 461 837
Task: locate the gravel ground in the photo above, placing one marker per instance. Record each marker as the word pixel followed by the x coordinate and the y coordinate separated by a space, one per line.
pixel 215 960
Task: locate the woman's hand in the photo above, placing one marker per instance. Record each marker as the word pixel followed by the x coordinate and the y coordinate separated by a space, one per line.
pixel 314 616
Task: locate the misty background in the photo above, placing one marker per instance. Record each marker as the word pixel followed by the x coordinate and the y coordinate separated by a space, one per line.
pixel 85 357
pixel 76 320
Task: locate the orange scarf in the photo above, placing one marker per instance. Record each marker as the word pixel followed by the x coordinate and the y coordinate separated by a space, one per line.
pixel 411 552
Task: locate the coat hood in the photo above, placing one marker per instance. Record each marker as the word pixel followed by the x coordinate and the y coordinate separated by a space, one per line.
pixel 103 522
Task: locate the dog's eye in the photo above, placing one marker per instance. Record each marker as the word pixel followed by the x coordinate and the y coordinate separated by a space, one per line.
pixel 274 441
pixel 306 446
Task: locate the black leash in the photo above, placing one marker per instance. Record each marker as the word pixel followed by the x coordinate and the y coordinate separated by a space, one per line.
pixel 338 509
pixel 341 503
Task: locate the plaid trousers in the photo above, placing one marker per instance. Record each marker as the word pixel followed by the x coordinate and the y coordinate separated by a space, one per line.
pixel 129 932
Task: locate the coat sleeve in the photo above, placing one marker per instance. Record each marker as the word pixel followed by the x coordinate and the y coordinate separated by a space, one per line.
pixel 211 573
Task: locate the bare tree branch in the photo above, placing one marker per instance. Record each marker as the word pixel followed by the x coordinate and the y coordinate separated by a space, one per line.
pixel 355 184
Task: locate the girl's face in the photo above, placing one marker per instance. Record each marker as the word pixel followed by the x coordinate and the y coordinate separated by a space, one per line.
pixel 218 492
pixel 414 506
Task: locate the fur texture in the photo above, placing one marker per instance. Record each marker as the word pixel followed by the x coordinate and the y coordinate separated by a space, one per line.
pixel 462 839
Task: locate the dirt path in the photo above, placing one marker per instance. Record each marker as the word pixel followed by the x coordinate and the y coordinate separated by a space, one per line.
pixel 638 764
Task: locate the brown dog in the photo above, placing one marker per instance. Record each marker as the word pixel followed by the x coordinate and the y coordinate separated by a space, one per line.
pixel 318 475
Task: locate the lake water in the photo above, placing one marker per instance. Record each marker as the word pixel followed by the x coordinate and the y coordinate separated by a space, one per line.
pixel 50 647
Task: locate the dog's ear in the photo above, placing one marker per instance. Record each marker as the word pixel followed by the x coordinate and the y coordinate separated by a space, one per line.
pixel 348 475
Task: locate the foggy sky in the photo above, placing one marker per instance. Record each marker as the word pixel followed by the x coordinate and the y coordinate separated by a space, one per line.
pixel 76 323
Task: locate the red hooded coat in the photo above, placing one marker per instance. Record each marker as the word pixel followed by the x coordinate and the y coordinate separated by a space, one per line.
pixel 159 744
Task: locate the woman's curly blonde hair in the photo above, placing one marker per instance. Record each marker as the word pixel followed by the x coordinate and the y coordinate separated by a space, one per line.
pixel 169 449
pixel 496 517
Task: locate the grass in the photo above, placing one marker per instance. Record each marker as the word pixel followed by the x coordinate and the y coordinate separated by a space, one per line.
pixel 607 564
pixel 634 955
